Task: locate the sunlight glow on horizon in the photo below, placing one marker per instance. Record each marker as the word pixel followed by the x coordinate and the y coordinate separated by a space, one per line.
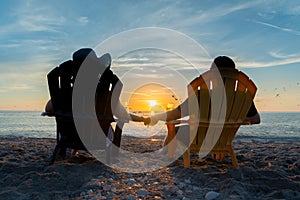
pixel 151 97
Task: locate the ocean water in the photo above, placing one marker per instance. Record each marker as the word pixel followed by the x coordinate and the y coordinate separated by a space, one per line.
pixel 273 127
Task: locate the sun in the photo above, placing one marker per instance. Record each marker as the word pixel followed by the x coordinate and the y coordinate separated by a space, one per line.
pixel 152 97
pixel 152 103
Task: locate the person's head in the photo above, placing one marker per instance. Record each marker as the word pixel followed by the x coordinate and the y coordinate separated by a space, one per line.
pixel 81 54
pixel 223 62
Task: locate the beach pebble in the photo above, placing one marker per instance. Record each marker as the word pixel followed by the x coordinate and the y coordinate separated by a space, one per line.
pixel 114 189
pixel 106 187
pixel 211 195
pixel 236 174
pixel 130 181
pixel 110 180
pixel 182 185
pixel 171 189
pixel 188 191
pixel 131 198
pixel 99 194
pixel 196 188
pixel 142 193
pixel 180 192
pixel 82 194
pixel 187 181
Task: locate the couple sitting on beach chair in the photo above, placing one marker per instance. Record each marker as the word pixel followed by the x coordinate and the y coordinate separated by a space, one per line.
pixel 239 93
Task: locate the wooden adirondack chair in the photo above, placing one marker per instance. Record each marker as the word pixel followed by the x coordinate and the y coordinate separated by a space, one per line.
pixel 60 82
pixel 216 124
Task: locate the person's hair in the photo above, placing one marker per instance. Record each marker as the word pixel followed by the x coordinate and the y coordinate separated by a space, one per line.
pixel 223 62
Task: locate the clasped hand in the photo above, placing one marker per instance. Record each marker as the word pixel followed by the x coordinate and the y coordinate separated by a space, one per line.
pixel 150 120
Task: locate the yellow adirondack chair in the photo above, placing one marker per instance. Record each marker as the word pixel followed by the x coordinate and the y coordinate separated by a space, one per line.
pixel 220 110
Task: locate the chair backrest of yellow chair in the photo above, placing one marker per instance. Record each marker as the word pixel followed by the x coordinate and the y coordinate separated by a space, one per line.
pixel 224 98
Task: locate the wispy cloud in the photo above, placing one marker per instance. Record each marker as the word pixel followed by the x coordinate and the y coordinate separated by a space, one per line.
pixel 34 44
pixel 38 22
pixel 292 31
pixel 20 82
pixel 216 12
pixel 276 54
pixel 83 20
pixel 131 59
pixel 19 87
pixel 269 64
pixel 139 65
pixel 137 93
pixel 279 60
pixel 9 45
pixel 31 65
pixel 27 17
pixel 155 76
pixel 29 75
pixel 161 59
pixel 294 9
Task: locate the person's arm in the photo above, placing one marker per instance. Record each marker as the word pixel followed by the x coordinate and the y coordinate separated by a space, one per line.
pixel 252 115
pixel 177 113
pixel 122 113
pixel 255 119
pixel 49 107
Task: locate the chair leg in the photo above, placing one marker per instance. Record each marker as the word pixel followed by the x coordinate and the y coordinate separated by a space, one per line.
pixel 118 135
pixel 117 139
pixel 53 157
pixel 186 158
pixel 233 158
pixel 220 156
pixel 58 150
pixel 171 144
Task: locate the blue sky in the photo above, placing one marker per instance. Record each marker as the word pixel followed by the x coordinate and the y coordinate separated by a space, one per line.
pixel 263 37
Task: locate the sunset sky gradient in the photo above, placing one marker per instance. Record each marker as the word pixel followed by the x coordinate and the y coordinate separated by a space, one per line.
pixel 263 38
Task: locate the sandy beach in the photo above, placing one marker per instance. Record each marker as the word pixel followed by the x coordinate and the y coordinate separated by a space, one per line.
pixel 267 171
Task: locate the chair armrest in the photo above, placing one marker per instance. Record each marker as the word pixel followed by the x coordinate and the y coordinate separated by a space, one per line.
pixel 178 121
pixel 206 123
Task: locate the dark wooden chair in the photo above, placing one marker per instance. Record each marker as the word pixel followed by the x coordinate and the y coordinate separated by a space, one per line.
pixel 60 82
